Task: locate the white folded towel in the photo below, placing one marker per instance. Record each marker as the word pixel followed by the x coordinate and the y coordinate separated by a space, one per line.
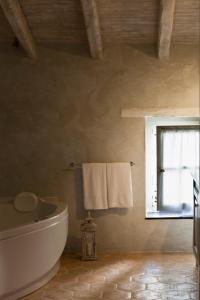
pixel 119 184
pixel 95 186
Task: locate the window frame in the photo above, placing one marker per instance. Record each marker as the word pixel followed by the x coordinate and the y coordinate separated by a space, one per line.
pixel 159 153
pixel 151 122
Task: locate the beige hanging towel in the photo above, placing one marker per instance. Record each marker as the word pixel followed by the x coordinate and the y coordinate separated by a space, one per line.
pixel 119 184
pixel 95 186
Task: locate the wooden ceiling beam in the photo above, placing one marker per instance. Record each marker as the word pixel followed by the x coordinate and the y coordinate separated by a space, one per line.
pixel 18 22
pixel 167 10
pixel 93 28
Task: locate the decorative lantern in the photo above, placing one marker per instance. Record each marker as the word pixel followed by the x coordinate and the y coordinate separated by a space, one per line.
pixel 88 230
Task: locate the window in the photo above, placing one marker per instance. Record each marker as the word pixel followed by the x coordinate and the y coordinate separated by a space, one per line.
pixel 172 159
pixel 177 161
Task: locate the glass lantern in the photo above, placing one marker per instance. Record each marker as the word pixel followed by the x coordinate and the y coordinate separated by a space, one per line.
pixel 88 232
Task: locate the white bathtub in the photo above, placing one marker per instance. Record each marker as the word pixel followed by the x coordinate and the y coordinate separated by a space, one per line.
pixel 30 251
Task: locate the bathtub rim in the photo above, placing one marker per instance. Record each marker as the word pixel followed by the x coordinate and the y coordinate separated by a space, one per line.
pixel 26 228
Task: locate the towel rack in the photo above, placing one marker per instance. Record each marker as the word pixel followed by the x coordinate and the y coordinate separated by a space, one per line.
pixel 74 165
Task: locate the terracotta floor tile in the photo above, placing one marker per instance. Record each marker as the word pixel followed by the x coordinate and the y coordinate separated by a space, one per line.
pixel 119 277
pixel 131 286
pixel 116 295
pixel 146 295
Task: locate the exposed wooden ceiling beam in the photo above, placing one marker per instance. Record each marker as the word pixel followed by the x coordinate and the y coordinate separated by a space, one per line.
pixel 93 28
pixel 17 20
pixel 167 10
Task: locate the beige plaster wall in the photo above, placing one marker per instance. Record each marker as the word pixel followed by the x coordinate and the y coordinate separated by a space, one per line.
pixel 66 107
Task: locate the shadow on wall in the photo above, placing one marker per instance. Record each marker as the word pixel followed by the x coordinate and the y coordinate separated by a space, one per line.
pixel 167 237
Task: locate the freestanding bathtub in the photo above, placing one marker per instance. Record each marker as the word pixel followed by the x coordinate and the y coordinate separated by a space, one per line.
pixel 30 247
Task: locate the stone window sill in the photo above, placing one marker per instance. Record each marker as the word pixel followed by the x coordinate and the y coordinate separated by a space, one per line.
pixel 167 215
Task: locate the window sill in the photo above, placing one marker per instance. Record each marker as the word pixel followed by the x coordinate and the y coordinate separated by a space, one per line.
pixel 167 215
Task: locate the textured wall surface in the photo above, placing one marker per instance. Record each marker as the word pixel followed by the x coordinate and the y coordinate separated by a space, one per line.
pixel 66 107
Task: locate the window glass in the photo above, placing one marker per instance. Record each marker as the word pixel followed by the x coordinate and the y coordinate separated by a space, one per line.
pixel 179 160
